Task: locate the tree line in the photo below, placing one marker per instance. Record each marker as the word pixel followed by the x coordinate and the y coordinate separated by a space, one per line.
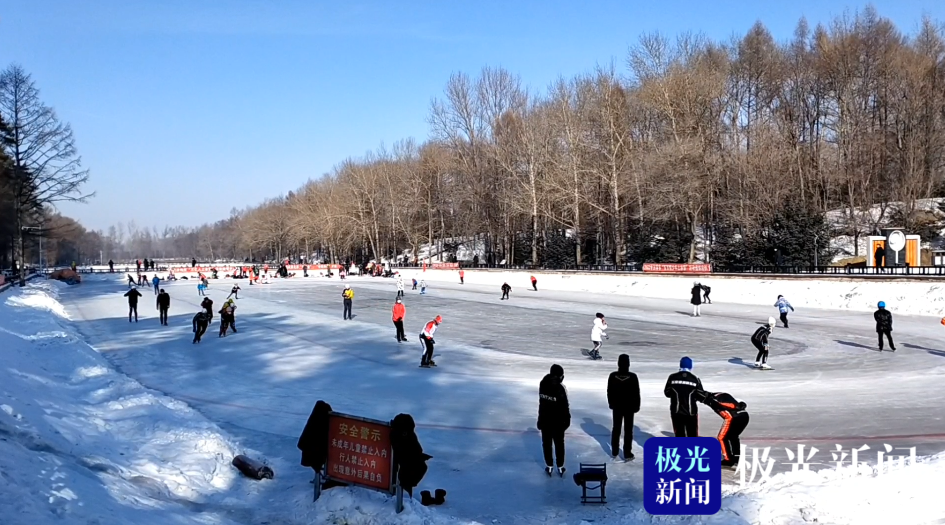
pixel 727 151
pixel 691 149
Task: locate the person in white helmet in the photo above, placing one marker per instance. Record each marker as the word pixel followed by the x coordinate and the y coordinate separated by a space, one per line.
pixel 760 340
pixel 348 298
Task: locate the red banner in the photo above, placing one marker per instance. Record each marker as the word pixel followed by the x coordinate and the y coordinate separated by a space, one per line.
pixel 445 266
pixel 359 452
pixel 677 268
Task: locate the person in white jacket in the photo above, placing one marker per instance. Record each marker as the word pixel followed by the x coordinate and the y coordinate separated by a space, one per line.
pixel 597 334
pixel 400 286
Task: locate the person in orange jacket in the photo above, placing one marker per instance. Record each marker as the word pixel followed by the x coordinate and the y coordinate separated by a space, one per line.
pixel 397 316
pixel 462 276
pixel 534 283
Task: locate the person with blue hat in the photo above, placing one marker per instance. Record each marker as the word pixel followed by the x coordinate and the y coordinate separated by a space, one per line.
pixel 681 388
pixel 883 319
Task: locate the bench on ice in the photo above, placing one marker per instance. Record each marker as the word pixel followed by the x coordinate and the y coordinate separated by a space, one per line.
pixel 592 477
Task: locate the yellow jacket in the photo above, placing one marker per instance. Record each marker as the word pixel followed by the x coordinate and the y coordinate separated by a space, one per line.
pixel 348 294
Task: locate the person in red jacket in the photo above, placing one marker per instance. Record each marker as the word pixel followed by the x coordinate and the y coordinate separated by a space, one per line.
pixel 398 317
pixel 462 276
pixel 534 283
pixel 426 338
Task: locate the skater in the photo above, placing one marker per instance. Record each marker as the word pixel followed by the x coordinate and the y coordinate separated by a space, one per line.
pixel 397 315
pixel 200 289
pixel 883 318
pixel 131 281
pixel 554 417
pixel 142 280
pixel 138 265
pixel 423 287
pixel 163 305
pixel 680 387
pixel 133 296
pixel 348 297
pixel 783 306
pixel 207 305
pixel 505 290
pixel 234 292
pixel 227 317
pixel 414 285
pixel 705 294
pixel 597 334
pixel 147 265
pixel 623 397
pixel 156 281
pixel 760 340
pixel 111 266
pixel 201 320
pixel 400 286
pixel 462 277
pixel 534 283
pixel 193 263
pixel 734 420
pixel 426 339
pixel 696 300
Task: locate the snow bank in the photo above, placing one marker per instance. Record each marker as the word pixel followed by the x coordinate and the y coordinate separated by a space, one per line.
pixel 901 296
pixel 82 443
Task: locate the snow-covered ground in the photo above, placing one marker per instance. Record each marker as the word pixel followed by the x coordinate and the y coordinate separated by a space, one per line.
pixel 130 423
pixel 901 295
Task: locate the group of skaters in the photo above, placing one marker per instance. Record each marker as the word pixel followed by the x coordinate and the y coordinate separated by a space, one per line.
pixel 200 321
pixel 684 390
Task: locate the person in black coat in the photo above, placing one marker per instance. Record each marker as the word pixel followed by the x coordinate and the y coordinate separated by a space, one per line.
pixel 505 290
pixel 878 256
pixel 133 296
pixel 410 462
pixel 680 388
pixel 200 322
pixel 163 305
pixel 883 318
pixel 696 299
pixel 623 397
pixel 554 417
pixel 734 420
pixel 314 439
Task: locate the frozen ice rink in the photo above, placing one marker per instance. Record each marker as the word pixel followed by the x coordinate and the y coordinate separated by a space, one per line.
pixel 477 410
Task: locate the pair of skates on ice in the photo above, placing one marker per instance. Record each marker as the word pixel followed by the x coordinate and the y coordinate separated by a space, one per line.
pixel 551 470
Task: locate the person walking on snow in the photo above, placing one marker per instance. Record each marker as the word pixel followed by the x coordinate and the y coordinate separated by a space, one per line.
pixel 783 306
pixel 696 300
pixel 348 298
pixel 505 291
pixel 400 286
pixel 163 305
pixel 423 287
pixel 623 398
pixel 201 320
pixel 734 420
pixel 760 340
pixel 426 339
pixel 554 418
pixel 133 296
pixel 156 281
pixel 534 283
pixel 680 387
pixel 597 334
pixel 883 318
pixel 397 316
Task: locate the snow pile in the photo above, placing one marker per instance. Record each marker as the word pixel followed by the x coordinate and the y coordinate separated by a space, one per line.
pixel 902 297
pixel 81 443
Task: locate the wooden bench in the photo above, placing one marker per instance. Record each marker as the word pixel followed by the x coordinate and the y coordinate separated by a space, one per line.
pixel 593 477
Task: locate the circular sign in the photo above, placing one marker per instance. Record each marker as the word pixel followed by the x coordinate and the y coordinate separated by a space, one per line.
pixel 896 241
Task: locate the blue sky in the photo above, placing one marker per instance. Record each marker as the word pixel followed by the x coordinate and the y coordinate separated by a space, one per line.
pixel 186 109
